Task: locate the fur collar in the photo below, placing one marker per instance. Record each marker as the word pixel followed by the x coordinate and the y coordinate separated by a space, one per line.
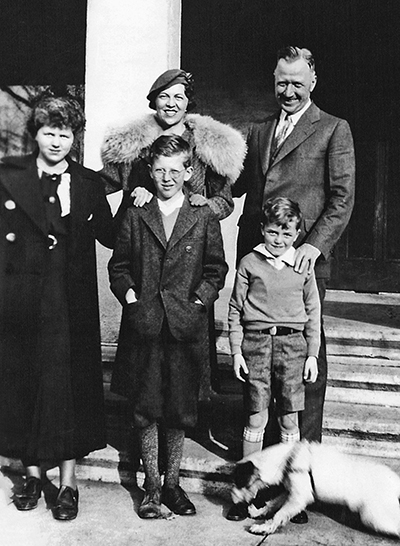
pixel 218 145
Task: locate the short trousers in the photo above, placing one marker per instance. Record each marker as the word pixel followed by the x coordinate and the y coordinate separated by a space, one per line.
pixel 276 366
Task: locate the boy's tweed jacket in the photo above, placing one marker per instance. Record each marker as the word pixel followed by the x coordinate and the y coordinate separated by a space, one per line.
pixel 167 278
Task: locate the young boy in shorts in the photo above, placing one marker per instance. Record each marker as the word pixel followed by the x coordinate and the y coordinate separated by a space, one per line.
pixel 167 268
pixel 274 327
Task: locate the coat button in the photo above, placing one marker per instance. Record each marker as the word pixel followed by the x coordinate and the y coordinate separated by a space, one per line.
pixel 11 237
pixel 52 199
pixel 10 205
pixel 188 248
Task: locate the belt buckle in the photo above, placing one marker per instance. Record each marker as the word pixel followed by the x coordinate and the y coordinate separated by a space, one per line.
pixel 273 331
pixel 53 242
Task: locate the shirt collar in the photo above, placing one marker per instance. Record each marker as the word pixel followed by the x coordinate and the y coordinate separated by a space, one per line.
pixel 294 118
pixel 287 257
pixel 169 206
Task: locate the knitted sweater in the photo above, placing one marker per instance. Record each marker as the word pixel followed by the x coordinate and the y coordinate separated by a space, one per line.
pixel 264 296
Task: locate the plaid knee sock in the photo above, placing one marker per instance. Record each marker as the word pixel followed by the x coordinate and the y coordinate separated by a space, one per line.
pixel 292 438
pixel 174 447
pixel 252 441
pixel 148 438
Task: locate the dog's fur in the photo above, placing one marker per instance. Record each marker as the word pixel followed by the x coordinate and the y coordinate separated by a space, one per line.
pixel 284 479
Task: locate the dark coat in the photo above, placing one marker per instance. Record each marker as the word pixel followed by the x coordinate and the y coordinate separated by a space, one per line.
pixel 167 278
pixel 23 249
pixel 314 167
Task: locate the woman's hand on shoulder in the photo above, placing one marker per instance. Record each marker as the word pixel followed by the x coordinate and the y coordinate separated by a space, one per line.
pixel 198 200
pixel 141 196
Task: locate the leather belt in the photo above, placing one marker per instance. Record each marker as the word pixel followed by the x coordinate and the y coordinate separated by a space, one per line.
pixel 277 331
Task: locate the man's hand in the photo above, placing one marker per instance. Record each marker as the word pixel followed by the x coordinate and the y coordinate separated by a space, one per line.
pixel 197 200
pixel 310 369
pixel 239 364
pixel 141 196
pixel 305 257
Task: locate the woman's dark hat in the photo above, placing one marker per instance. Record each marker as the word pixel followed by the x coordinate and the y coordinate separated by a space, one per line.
pixel 168 79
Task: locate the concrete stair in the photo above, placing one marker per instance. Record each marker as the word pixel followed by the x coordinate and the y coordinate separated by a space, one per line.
pixel 362 409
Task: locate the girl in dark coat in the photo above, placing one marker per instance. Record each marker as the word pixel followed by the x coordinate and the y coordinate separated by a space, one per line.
pixel 52 210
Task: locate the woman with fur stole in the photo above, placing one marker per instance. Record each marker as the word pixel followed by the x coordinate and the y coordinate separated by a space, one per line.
pixel 218 153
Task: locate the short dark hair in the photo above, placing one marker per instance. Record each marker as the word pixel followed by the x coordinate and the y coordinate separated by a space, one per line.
pixel 56 112
pixel 281 211
pixel 293 53
pixel 170 145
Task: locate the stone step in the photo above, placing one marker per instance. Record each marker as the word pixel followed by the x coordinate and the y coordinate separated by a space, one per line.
pixel 362 421
pixel 355 324
pixel 355 396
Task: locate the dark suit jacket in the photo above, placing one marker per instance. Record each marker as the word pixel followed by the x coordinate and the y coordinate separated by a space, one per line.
pixel 24 248
pixel 314 167
pixel 168 277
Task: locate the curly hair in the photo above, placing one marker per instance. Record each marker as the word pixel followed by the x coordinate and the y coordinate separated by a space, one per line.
pixel 56 112
pixel 281 211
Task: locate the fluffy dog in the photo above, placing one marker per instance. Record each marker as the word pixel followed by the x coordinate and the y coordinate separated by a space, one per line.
pixel 286 478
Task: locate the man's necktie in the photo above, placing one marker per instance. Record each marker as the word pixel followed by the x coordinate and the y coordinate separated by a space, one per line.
pixel 282 132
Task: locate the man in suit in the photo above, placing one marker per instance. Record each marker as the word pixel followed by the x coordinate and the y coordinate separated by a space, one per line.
pixel 306 155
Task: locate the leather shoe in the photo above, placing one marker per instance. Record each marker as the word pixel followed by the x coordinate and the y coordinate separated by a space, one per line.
pixel 177 501
pixel 30 494
pixel 150 507
pixel 66 505
pixel 300 518
pixel 237 512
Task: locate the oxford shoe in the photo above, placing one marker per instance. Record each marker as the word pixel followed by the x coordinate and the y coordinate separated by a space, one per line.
pixel 177 501
pixel 30 494
pixel 66 505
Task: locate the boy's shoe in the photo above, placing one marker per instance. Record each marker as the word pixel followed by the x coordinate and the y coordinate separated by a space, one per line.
pixel 150 507
pixel 30 494
pixel 177 501
pixel 66 505
pixel 238 512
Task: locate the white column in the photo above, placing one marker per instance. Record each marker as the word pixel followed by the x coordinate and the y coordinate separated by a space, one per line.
pixel 129 44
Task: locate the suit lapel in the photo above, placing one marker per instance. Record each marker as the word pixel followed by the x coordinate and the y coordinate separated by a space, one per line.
pixel 303 129
pixel 23 185
pixel 266 141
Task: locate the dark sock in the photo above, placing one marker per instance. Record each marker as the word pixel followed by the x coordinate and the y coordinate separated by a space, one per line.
pixel 148 437
pixel 174 447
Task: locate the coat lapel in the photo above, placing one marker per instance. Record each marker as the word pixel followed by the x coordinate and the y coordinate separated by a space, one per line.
pixel 303 129
pixel 23 185
pixel 152 216
pixel 186 219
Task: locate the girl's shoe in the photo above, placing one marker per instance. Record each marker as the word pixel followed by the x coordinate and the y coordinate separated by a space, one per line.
pixel 30 494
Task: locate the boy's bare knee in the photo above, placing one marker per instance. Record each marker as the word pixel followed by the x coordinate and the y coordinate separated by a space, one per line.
pixel 258 420
pixel 289 423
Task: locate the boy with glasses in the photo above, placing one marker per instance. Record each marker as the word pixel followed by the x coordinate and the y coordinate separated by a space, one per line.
pixel 166 270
